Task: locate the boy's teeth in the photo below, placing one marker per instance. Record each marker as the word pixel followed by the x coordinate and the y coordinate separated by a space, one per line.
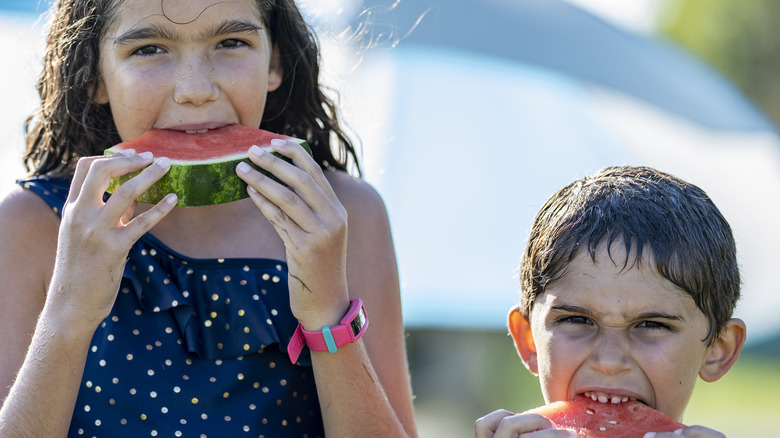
pixel 603 397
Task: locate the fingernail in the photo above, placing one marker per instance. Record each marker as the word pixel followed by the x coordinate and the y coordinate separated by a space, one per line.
pixel 127 152
pixel 678 431
pixel 256 150
pixel 164 162
pixel 171 198
pixel 649 435
pixel 278 142
pixel 146 155
pixel 243 167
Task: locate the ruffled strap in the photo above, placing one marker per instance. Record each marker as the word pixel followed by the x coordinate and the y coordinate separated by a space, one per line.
pixel 223 308
pixel 52 190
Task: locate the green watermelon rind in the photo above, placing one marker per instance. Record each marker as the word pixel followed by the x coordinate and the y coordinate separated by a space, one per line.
pixel 199 184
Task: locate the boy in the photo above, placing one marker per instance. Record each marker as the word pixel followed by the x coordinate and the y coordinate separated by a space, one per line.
pixel 629 281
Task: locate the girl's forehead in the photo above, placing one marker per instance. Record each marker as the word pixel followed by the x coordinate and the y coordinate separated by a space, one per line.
pixel 132 13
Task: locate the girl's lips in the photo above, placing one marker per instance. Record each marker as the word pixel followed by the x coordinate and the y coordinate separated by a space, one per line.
pixel 196 128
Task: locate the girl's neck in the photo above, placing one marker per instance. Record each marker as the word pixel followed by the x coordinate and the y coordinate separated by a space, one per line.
pixel 232 230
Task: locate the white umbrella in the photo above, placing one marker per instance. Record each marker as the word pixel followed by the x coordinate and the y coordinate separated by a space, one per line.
pixel 465 142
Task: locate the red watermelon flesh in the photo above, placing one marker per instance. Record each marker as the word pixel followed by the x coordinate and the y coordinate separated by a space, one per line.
pixel 202 164
pixel 593 419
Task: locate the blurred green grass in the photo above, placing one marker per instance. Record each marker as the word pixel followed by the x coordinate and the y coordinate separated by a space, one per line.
pixel 459 376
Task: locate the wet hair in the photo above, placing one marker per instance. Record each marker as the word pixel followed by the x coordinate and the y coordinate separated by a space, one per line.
pixel 69 125
pixel 654 213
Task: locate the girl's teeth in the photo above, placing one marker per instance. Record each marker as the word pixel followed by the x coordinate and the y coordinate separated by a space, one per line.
pixel 199 131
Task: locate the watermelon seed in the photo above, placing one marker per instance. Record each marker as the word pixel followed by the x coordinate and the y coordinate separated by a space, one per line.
pixel 590 411
pixel 612 421
pixel 602 428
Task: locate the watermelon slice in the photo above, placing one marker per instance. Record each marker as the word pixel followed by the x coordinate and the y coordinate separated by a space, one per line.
pixel 592 419
pixel 203 165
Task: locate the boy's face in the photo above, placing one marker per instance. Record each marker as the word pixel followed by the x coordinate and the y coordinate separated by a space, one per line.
pixel 617 333
pixel 194 65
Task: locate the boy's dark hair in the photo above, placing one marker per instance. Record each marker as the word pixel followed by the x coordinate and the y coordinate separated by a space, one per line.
pixel 640 207
pixel 69 125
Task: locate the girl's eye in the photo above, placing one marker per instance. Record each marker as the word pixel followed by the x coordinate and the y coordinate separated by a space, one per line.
pixel 147 50
pixel 232 43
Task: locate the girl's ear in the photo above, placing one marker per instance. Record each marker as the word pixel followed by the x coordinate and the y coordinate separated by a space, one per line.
pixel 275 70
pixel 724 351
pixel 100 96
pixel 521 333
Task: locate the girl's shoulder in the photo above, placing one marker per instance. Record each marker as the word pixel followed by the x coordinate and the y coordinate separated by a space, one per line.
pixel 356 194
pixel 28 232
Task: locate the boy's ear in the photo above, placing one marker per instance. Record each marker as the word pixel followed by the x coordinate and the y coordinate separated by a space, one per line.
pixel 520 329
pixel 724 351
pixel 275 70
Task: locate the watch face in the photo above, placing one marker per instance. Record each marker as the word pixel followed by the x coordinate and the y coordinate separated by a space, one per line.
pixel 358 323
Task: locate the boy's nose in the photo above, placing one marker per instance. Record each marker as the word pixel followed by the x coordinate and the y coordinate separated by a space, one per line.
pixel 611 353
pixel 195 84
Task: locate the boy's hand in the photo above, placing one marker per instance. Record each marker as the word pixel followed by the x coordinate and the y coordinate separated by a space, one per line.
pixel 505 424
pixel 690 432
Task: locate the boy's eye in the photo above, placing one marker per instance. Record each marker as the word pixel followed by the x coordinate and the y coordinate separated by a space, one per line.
pixel 575 319
pixel 653 325
pixel 147 50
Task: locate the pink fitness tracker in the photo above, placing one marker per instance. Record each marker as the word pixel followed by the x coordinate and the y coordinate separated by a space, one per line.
pixel 351 328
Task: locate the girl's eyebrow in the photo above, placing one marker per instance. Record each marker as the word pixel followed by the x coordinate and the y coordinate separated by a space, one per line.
pixel 163 32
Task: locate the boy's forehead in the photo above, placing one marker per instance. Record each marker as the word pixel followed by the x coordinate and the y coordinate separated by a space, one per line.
pixel 613 282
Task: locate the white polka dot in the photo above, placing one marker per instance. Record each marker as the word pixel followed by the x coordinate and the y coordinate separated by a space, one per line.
pixel 153 394
pixel 86 408
pixel 97 422
pixel 176 389
pixel 129 356
pixel 102 362
pixel 164 410
pixel 153 433
pixel 150 268
pixel 150 372
pixel 110 338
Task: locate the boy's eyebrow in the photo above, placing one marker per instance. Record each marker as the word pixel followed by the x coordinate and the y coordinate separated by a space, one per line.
pixel 163 32
pixel 635 317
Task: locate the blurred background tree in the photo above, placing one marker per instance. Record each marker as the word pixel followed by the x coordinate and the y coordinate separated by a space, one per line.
pixel 739 38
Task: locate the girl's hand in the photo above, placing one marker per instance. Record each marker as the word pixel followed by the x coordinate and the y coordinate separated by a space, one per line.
pixel 690 432
pixel 95 236
pixel 313 225
pixel 505 424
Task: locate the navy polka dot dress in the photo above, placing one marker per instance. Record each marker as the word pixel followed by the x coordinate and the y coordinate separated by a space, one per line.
pixel 193 348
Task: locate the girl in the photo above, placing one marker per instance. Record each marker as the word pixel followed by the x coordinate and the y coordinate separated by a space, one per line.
pixel 127 319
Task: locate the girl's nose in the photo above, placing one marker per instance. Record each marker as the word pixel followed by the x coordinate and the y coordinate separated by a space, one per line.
pixel 195 85
pixel 612 352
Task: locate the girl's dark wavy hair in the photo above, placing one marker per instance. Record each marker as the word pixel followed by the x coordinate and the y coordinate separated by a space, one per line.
pixel 690 241
pixel 69 125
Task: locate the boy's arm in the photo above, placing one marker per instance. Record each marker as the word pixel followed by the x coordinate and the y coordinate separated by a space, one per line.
pixel 689 432
pixel 505 424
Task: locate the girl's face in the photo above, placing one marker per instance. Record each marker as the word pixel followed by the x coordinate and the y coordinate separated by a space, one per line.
pixel 618 333
pixel 187 65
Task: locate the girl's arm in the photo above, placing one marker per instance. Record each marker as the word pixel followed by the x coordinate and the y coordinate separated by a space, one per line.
pixel 91 246
pixel 335 252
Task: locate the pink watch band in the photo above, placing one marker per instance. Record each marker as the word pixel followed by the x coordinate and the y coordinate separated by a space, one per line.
pixel 351 328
